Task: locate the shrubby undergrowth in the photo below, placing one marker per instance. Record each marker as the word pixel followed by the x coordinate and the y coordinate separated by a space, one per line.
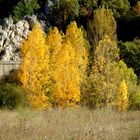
pixel 12 96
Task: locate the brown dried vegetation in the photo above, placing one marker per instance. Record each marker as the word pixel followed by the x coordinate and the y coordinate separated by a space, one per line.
pixel 70 124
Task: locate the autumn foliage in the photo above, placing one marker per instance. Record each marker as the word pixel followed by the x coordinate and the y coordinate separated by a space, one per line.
pixel 103 87
pixel 80 45
pixel 34 70
pixel 77 52
pixel 122 97
pixel 103 75
pixel 103 23
pixel 53 66
pixel 56 70
pixel 67 76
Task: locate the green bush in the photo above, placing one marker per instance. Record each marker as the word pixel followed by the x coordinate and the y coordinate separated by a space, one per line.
pixel 24 7
pixel 86 7
pixel 65 11
pixel 12 96
pixel 135 100
pixel 130 53
pixel 119 7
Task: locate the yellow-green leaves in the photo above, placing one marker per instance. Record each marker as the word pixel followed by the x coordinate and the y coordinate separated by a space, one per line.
pixel 103 23
pixel 54 69
pixel 103 85
pixel 103 75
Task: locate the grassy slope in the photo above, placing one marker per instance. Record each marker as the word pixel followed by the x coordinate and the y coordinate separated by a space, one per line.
pixel 70 124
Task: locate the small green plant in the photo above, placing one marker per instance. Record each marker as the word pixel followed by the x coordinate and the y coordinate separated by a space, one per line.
pixel 24 7
pixel 12 96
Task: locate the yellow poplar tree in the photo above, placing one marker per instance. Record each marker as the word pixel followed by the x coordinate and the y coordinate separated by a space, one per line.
pixel 76 37
pixel 103 76
pixel 67 77
pixel 54 42
pixel 122 97
pixel 33 72
pixel 103 23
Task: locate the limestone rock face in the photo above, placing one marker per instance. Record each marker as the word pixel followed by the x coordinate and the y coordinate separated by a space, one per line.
pixel 11 36
pixel 31 20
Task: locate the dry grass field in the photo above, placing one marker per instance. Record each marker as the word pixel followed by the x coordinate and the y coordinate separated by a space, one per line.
pixel 69 124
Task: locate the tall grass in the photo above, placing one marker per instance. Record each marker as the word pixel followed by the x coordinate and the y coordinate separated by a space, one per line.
pixel 70 124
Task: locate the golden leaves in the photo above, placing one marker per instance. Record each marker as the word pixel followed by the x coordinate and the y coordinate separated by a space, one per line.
pixel 67 77
pixel 53 66
pixel 34 69
pixel 122 97
pixel 75 35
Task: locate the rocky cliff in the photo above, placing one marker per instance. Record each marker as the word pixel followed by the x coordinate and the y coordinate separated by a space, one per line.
pixel 11 36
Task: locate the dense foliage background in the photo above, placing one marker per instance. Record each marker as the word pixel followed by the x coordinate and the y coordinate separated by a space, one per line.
pixel 90 54
pixel 126 13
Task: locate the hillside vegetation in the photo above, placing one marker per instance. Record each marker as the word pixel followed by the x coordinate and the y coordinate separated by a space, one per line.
pixel 75 63
pixel 79 77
